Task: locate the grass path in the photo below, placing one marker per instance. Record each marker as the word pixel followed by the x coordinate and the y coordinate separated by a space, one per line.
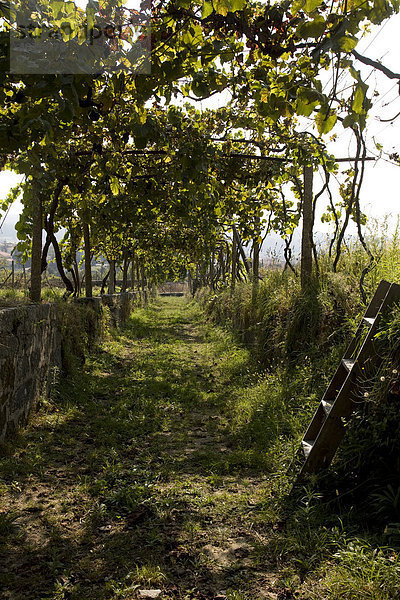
pixel 138 475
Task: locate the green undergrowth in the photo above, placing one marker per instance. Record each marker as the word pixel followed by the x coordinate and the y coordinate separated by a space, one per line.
pixel 297 341
pixel 283 324
pixel 162 463
pixel 82 328
pixel 341 534
pixel 10 297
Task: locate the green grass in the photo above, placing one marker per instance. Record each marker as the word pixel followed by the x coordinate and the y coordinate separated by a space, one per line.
pixel 10 297
pixel 162 464
pixel 300 338
pixel 132 476
pixel 13 297
pixel 364 573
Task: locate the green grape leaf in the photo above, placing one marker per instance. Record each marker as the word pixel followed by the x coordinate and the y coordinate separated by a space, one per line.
pixel 311 29
pixel 347 43
pixel 207 10
pixel 237 4
pixel 222 7
pixel 325 121
pixel 297 5
pixel 114 185
pixel 311 5
pixel 358 100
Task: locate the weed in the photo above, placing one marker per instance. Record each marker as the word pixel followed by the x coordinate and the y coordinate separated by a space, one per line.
pixel 364 573
pixel 7 525
pixel 387 501
pixel 147 575
pixel 161 461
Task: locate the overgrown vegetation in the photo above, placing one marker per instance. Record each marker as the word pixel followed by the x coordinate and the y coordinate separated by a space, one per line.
pixel 163 461
pixel 349 519
pixel 163 465
pixel 83 326
pixel 14 297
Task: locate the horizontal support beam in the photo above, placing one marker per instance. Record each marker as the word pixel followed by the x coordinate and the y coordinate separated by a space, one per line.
pixel 280 159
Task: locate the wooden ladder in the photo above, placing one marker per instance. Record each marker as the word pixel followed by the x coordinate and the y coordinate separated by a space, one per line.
pixel 344 393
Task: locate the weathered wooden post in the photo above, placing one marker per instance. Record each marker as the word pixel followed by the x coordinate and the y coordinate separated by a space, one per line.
pixel 111 281
pixel 88 261
pixel 35 293
pixel 234 260
pixel 125 268
pixel 256 262
pixel 212 274
pixel 133 271
pixel 143 275
pixel 255 270
pixel 307 233
pixel 190 282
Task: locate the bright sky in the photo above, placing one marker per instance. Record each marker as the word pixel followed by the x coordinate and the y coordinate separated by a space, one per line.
pixel 128 4
pixel 380 193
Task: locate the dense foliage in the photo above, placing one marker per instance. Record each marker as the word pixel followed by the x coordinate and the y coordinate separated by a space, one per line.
pixel 111 157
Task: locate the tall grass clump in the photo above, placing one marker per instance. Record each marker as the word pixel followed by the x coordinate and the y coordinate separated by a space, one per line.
pixel 82 326
pixel 383 242
pixel 364 573
pixel 281 322
pixel 298 338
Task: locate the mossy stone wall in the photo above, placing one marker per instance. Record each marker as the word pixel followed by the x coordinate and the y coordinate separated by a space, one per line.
pixel 31 349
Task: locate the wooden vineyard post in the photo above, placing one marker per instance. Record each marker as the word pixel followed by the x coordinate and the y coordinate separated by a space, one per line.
pixel 88 260
pixel 138 275
pixel 212 271
pixel 111 283
pixel 255 267
pixel 306 240
pixel 35 293
pixel 133 271
pixel 234 264
pixel 125 268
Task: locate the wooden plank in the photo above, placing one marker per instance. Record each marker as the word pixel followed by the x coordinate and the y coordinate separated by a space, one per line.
pixel 307 447
pixel 315 424
pixel 377 299
pixel 327 406
pixel 369 321
pixel 346 402
pixel 367 350
pixel 336 383
pixel 370 313
pixel 324 447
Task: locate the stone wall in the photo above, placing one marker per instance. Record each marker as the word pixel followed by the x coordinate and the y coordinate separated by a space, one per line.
pixel 31 351
pixel 121 305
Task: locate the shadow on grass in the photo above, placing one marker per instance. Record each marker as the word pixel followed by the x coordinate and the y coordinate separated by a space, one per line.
pixel 98 493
